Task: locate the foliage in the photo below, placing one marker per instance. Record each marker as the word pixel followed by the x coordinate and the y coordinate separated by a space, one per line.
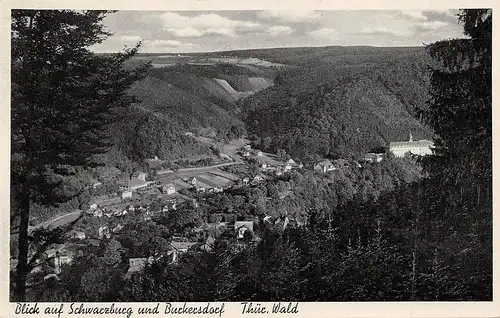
pixel 63 96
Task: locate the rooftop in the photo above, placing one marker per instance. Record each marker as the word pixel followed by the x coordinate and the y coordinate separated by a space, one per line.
pixel 248 224
pixel 182 245
pixel 417 143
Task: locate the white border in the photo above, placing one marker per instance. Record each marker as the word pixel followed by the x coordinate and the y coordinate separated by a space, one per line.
pixel 351 309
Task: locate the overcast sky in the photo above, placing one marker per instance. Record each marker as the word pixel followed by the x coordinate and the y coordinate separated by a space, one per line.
pixel 199 31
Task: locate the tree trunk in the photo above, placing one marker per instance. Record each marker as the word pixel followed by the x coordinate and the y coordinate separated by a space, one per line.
pixel 22 269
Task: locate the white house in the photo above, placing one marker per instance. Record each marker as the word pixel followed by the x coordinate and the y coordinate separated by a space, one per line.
pixel 104 232
pixel 139 175
pixel 418 147
pixel 373 157
pixel 168 189
pixel 324 166
pixel 126 194
pixel 241 227
pixel 178 248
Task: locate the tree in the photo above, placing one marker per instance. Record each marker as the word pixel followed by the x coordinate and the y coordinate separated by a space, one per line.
pixel 63 98
pixel 281 153
pixel 459 110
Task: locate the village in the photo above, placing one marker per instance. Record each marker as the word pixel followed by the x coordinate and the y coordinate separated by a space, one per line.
pixel 144 196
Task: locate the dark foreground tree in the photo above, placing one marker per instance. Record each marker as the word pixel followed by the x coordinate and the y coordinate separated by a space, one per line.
pixel 460 107
pixel 63 97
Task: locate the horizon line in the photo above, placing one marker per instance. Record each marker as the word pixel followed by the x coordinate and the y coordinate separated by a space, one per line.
pixel 271 48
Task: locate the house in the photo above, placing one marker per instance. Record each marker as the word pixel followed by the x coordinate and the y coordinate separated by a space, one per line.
pixel 267 219
pixel 77 235
pixel 264 166
pixel 288 167
pixel 137 265
pixel 418 147
pixel 290 162
pixel 241 227
pixel 58 257
pixel 373 157
pixel 104 232
pixel 168 189
pixel 218 189
pixel 199 188
pixel 247 147
pixel 279 170
pixel 324 166
pixel 208 245
pixel 147 215
pixel 93 206
pixel 191 181
pixel 98 213
pixel 131 208
pixel 224 156
pixel 258 178
pixel 259 153
pixel 246 154
pixel 126 194
pixel 178 248
pixel 246 180
pixel 139 176
pixel 189 134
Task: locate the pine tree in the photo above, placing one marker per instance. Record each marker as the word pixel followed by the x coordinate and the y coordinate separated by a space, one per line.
pixel 459 110
pixel 63 96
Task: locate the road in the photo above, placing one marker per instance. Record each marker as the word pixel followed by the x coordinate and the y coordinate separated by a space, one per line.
pixel 62 220
pixel 207 168
pixel 58 221
pixel 229 149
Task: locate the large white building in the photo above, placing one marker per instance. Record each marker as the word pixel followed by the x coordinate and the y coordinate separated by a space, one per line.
pixel 417 147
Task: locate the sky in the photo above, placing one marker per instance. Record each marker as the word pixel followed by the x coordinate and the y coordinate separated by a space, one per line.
pixel 203 31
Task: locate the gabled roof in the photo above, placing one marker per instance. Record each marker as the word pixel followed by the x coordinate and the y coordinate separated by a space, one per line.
pixel 324 163
pixel 239 224
pixel 182 245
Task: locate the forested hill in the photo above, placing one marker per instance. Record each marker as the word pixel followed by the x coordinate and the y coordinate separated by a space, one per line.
pixel 343 109
pixel 313 101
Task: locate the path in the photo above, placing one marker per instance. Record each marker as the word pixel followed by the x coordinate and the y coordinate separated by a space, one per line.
pixel 58 221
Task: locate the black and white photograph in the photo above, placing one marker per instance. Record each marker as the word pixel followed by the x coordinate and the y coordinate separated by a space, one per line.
pixel 250 156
